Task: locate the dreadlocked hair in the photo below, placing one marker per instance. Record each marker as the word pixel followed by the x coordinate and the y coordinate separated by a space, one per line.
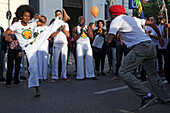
pixel 24 8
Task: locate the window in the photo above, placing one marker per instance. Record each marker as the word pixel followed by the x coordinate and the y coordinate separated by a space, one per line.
pixel 107 5
pixel 35 4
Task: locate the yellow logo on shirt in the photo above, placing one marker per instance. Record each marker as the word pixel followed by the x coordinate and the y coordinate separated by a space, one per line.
pixel 27 34
pixel 84 35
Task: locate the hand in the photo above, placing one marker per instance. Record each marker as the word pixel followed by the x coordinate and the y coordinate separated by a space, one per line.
pixel 36 16
pixel 81 31
pixel 61 28
pixel 161 41
pixel 8 39
pixel 64 27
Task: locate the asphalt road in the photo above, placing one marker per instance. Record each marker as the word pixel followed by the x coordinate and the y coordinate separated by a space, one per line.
pixel 87 96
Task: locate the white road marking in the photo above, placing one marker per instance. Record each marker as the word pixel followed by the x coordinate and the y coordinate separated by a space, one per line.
pixel 114 89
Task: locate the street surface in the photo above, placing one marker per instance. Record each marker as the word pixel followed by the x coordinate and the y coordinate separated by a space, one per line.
pixel 86 96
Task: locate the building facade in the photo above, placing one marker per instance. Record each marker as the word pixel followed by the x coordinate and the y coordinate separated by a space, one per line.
pixel 74 8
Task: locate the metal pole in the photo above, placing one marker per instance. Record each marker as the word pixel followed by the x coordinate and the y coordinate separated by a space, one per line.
pixel 123 3
pixel 8 10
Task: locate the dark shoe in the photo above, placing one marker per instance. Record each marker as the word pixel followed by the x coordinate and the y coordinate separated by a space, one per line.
pixel 23 78
pixel 17 82
pixel 98 74
pixel 67 79
pixel 94 78
pixel 45 79
pixel 146 101
pixel 2 79
pixel 103 74
pixel 8 84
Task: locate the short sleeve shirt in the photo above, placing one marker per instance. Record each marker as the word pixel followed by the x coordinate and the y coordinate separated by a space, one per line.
pixel 130 28
pixel 24 34
pixel 61 37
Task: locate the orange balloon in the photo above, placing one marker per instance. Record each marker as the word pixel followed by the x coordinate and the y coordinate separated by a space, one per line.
pixel 94 11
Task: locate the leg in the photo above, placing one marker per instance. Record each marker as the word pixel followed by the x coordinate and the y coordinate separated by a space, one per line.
pixel 155 81
pixel 17 67
pixel 56 61
pixel 10 65
pixel 45 64
pixel 64 61
pixel 2 55
pixel 89 62
pixel 39 60
pixel 134 58
pixel 80 65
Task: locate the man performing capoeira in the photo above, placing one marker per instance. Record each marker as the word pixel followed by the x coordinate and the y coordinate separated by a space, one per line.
pixel 142 52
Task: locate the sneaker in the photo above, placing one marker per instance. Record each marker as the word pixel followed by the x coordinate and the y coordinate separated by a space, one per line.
pixel 146 101
pixel 165 82
pixel 53 80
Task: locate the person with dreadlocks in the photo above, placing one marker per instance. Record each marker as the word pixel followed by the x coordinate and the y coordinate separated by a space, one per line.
pixel 24 34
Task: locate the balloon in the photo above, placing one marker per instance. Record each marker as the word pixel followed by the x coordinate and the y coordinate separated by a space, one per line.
pixel 94 11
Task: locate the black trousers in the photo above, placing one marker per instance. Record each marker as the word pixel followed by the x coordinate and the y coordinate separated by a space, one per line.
pixel 161 52
pixel 13 55
pixel 120 50
pixel 99 59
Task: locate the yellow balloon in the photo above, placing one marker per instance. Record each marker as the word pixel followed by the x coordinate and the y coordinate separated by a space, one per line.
pixel 94 11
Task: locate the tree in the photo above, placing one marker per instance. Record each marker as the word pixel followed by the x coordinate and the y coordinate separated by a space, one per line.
pixel 151 8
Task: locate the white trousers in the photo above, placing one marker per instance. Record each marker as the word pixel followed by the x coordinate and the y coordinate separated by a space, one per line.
pixel 42 57
pixel 57 49
pixel 31 50
pixel 84 50
pixel 33 67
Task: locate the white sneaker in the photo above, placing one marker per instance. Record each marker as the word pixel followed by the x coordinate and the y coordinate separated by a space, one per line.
pixel 165 82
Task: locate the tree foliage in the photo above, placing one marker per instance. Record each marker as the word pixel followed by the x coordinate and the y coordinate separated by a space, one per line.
pixel 152 8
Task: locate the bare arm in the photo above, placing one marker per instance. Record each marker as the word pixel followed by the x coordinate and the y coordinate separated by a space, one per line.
pixel 151 24
pixel 65 16
pixel 7 36
pixel 110 37
pixel 75 36
pixel 90 33
pixel 67 33
pixel 41 20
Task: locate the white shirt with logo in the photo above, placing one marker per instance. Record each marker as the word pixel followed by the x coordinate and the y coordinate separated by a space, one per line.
pixel 24 34
pixel 84 39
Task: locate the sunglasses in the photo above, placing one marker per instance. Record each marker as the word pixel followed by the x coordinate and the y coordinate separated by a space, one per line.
pixel 151 19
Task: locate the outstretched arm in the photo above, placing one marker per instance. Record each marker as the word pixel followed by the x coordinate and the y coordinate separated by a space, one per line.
pixel 41 20
pixel 151 24
pixel 65 16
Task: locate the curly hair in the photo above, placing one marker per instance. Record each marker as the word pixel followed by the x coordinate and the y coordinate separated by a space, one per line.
pixel 99 22
pixel 25 8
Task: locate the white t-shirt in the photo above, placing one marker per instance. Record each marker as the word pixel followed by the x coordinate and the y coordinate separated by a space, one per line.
pixel 39 30
pixel 151 31
pixel 24 34
pixel 161 29
pixel 84 39
pixel 61 38
pixel 130 28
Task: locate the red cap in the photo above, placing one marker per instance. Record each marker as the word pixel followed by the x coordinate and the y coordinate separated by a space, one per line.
pixel 117 10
